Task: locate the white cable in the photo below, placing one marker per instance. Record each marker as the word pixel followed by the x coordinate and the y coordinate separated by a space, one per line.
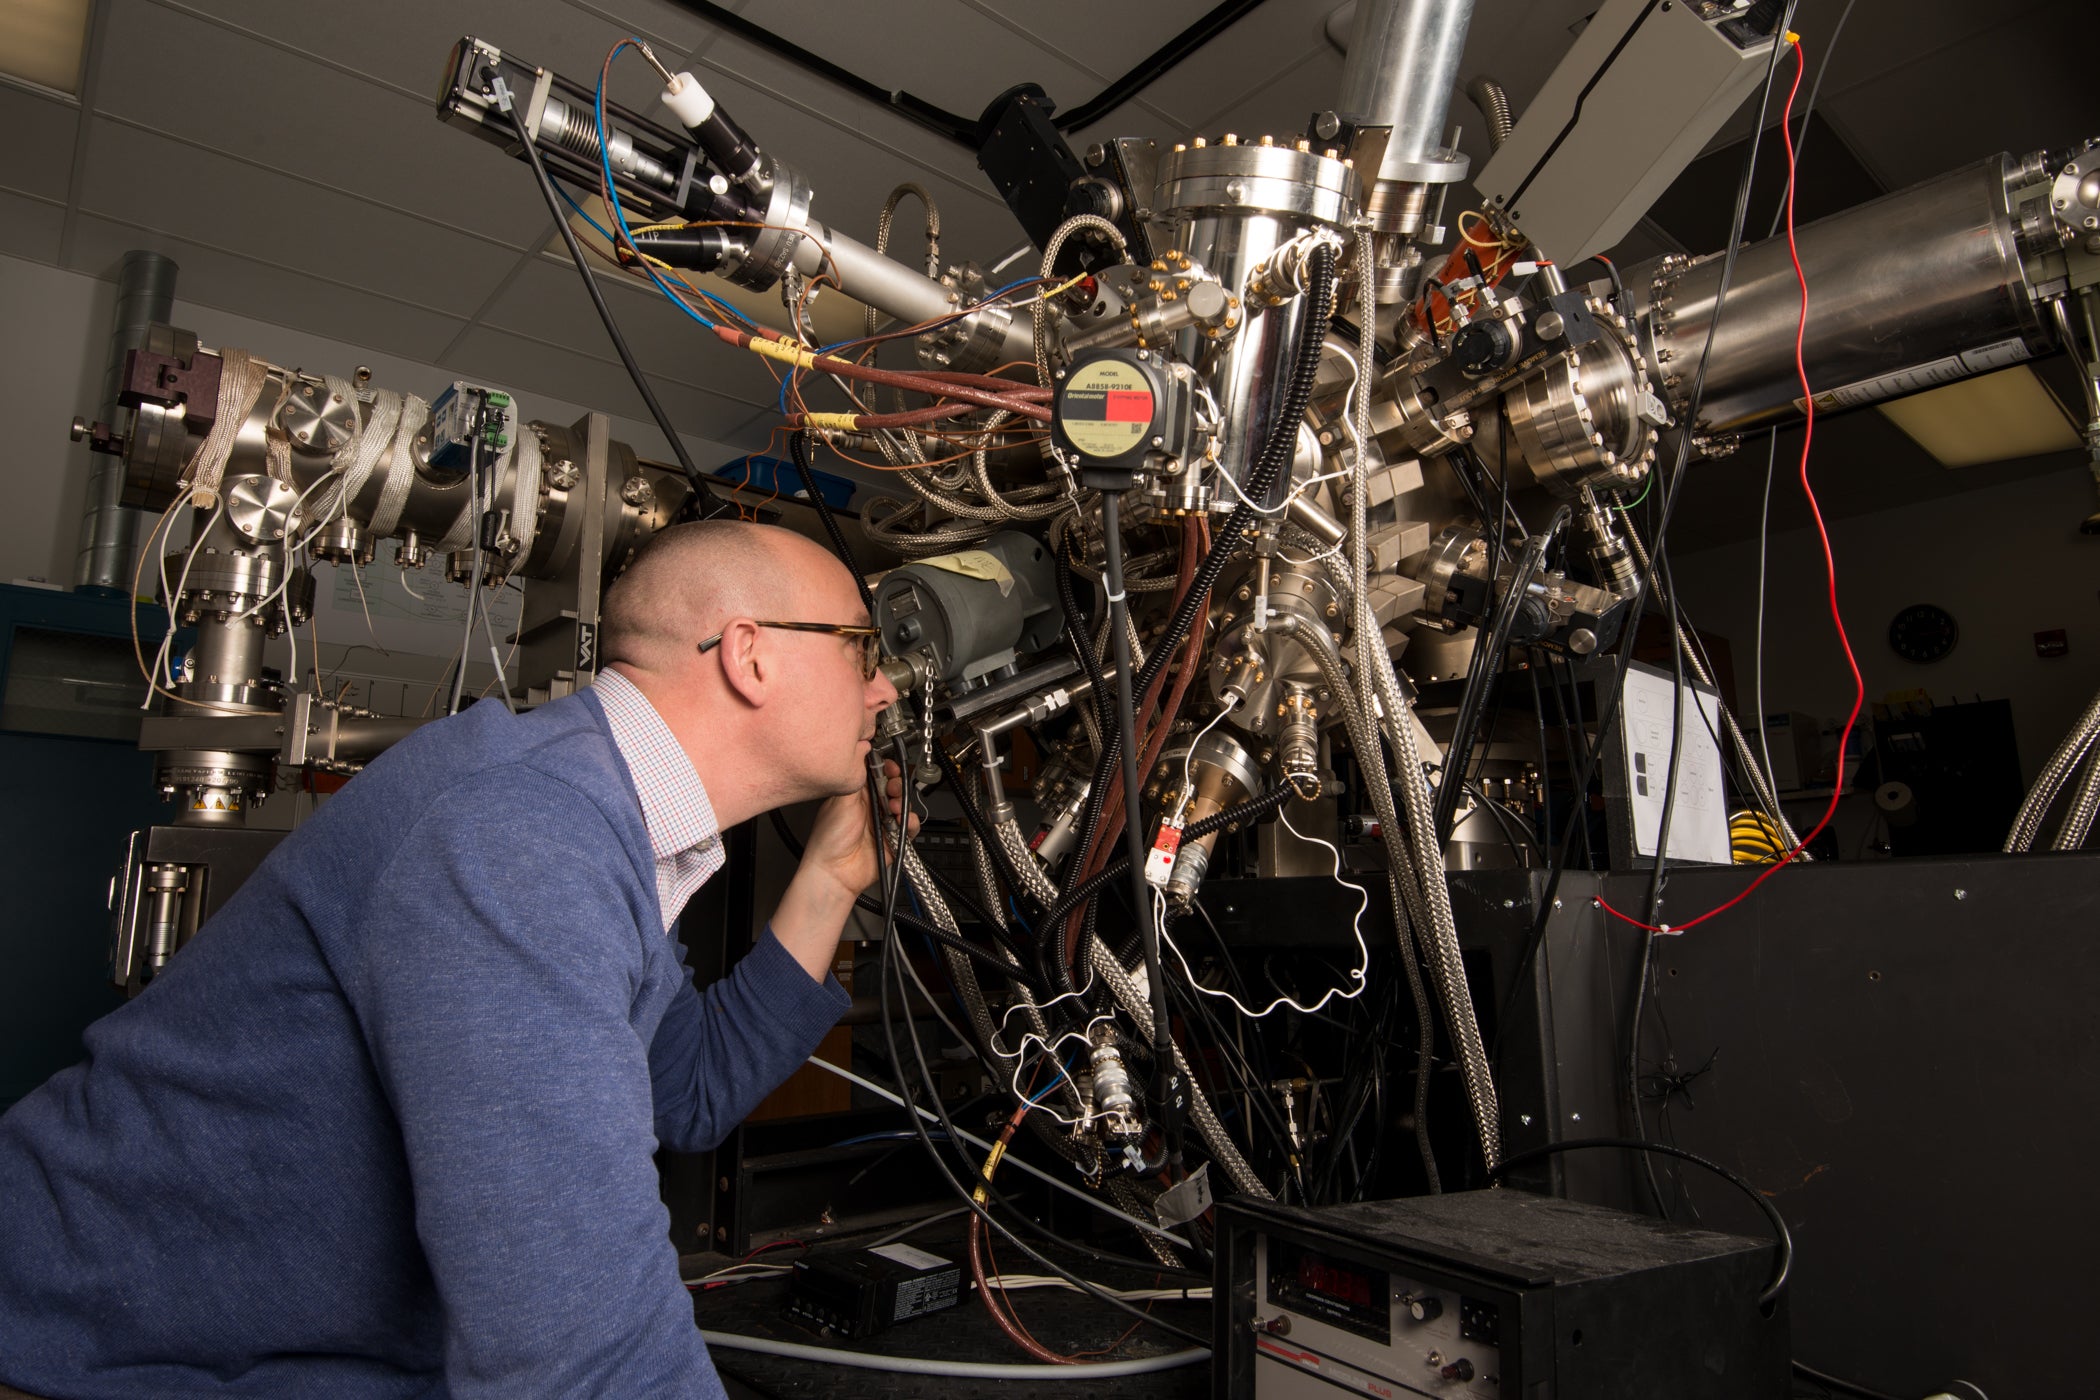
pixel 1149 1227
pixel 1014 1283
pixel 968 1370
pixel 1188 784
pixel 172 599
pixel 1356 974
pixel 408 588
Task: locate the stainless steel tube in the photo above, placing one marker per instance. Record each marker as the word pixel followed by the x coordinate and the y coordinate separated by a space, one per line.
pixel 1402 66
pixel 108 531
pixel 892 288
pixel 1917 288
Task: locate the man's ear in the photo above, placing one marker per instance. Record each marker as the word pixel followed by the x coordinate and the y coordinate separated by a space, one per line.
pixel 748 667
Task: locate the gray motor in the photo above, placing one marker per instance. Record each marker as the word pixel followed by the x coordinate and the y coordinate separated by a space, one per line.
pixel 971 612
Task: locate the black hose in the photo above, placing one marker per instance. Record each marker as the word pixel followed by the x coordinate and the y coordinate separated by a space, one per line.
pixel 1486 664
pixel 1784 1264
pixel 710 505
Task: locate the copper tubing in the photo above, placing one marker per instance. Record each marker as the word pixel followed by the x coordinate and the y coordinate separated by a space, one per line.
pixel 968 393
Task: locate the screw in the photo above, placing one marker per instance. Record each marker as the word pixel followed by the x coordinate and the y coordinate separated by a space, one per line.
pixel 1525 1119
pixel 1961 894
pixel 1509 904
pixel 1575 1117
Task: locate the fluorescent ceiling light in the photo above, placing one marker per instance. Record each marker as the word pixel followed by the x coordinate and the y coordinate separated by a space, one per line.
pixel 41 42
pixel 1993 418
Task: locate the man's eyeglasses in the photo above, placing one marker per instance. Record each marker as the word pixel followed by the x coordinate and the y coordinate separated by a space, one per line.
pixel 870 653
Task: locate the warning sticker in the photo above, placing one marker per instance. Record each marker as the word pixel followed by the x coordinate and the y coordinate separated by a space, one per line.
pixel 1106 409
pixel 1917 377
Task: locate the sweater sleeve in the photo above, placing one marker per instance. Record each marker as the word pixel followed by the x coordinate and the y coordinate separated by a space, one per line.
pixel 718 1053
pixel 501 960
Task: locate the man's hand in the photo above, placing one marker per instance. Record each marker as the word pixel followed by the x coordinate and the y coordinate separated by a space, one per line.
pixel 838 862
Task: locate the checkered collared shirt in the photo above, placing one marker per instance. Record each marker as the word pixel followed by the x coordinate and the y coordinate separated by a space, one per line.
pixel 681 821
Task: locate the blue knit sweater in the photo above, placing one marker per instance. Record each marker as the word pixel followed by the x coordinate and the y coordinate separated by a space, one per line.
pixel 384 1127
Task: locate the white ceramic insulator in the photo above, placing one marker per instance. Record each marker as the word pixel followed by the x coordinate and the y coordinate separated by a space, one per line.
pixel 688 101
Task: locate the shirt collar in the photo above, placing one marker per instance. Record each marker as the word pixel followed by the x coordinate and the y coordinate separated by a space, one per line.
pixel 675 806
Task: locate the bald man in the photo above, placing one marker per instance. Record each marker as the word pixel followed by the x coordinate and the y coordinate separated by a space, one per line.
pixel 385 1127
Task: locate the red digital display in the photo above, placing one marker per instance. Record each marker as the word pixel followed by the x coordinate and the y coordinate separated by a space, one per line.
pixel 1318 1276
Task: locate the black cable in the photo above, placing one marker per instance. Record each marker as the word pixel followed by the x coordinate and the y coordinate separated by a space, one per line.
pixel 1168 1103
pixel 1486 663
pixel 1782 1266
pixel 921 926
pixel 710 505
pixel 1155 65
pixel 1247 811
pixel 959 129
pixel 1672 489
pixel 799 448
pixel 1646 967
pixel 1829 1382
pixel 966 1193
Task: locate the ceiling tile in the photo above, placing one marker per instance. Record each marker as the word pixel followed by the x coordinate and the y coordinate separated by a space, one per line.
pixel 141 178
pixel 37 156
pixel 2039 95
pixel 213 277
pixel 323 124
pixel 404 42
pixel 29 228
pixel 1087 35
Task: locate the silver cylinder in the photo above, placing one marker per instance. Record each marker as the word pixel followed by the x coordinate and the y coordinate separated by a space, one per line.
pixel 1917 288
pixel 108 532
pixel 895 290
pixel 1248 373
pixel 1403 64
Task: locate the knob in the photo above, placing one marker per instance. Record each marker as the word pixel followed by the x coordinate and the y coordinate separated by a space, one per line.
pixel 1426 1308
pixel 1459 1370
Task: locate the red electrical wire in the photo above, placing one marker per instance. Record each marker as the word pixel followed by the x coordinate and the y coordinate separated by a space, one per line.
pixel 1808 399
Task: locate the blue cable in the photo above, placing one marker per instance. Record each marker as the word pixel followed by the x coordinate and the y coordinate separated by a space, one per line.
pixel 600 229
pixel 889 1137
pixel 1063 1072
pixel 613 191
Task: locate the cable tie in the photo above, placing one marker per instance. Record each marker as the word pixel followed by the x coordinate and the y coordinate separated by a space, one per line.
pixel 1118 597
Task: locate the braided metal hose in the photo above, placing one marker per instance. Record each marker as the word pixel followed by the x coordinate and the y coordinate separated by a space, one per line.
pixel 2078 822
pixel 1401 887
pixel 1223 1150
pixel 980 468
pixel 919 542
pixel 2028 824
pixel 933 232
pixel 1381 692
pixel 1039 310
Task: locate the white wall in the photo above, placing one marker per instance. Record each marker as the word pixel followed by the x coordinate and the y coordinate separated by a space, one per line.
pixel 2007 561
